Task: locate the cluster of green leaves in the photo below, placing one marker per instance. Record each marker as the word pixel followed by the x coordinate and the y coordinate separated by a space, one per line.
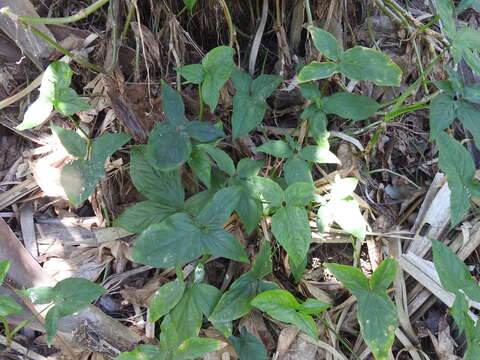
pixel 357 63
pixel 55 93
pixel 457 101
pixel 464 41
pixel 376 313
pixel 456 278
pixel 67 297
pixel 343 104
pixel 79 177
pixel 182 305
pixel 212 74
pixel 174 230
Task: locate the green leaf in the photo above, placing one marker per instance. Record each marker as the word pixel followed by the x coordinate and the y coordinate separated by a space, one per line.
pixel 468 114
pixel 248 347
pixel 217 211
pixel 80 177
pixel 271 192
pixel 201 165
pixel 39 295
pixel 173 106
pixel 195 347
pixel 235 302
pixel 359 63
pixel 143 214
pixel 317 70
pixel 377 314
pixel 8 306
pixel 467 38
pixel 282 306
pixel 248 113
pixel 249 207
pixel 206 297
pixel 318 125
pixel 377 317
pixel 326 43
pixel 452 271
pixel 68 102
pixel 4 267
pixel 168 146
pixel 165 299
pixel 193 73
pixel 442 113
pixel 277 148
pixel 384 275
pixel 223 160
pixel 472 93
pixel 241 80
pixel 71 295
pixel 445 9
pixel 105 145
pixel 465 4
pixel 318 154
pixel 169 338
pixel 310 91
pixel 472 59
pixel 218 66
pixel 313 306
pixel 352 278
pixel 297 170
pixel 291 228
pixel 248 168
pixel 179 239
pixel 160 186
pixel 264 85
pixel 71 141
pixel 346 213
pixel 457 163
pixel 262 265
pixel 144 352
pixel 299 194
pixel 197 202
pixel 202 131
pixel 185 319
pixel 350 106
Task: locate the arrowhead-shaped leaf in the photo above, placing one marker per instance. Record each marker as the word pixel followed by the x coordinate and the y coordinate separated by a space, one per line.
pixel 361 63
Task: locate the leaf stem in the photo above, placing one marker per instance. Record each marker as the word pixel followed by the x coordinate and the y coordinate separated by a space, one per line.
pixel 309 12
pixel 232 34
pixel 62 20
pixel 64 51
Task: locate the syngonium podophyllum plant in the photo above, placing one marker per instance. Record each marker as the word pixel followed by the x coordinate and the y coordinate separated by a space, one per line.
pixel 174 229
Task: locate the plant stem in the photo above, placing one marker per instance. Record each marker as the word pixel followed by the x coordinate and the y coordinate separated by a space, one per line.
pixel 131 10
pixel 309 12
pixel 63 20
pixel 200 97
pixel 87 137
pixel 231 28
pixel 64 51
